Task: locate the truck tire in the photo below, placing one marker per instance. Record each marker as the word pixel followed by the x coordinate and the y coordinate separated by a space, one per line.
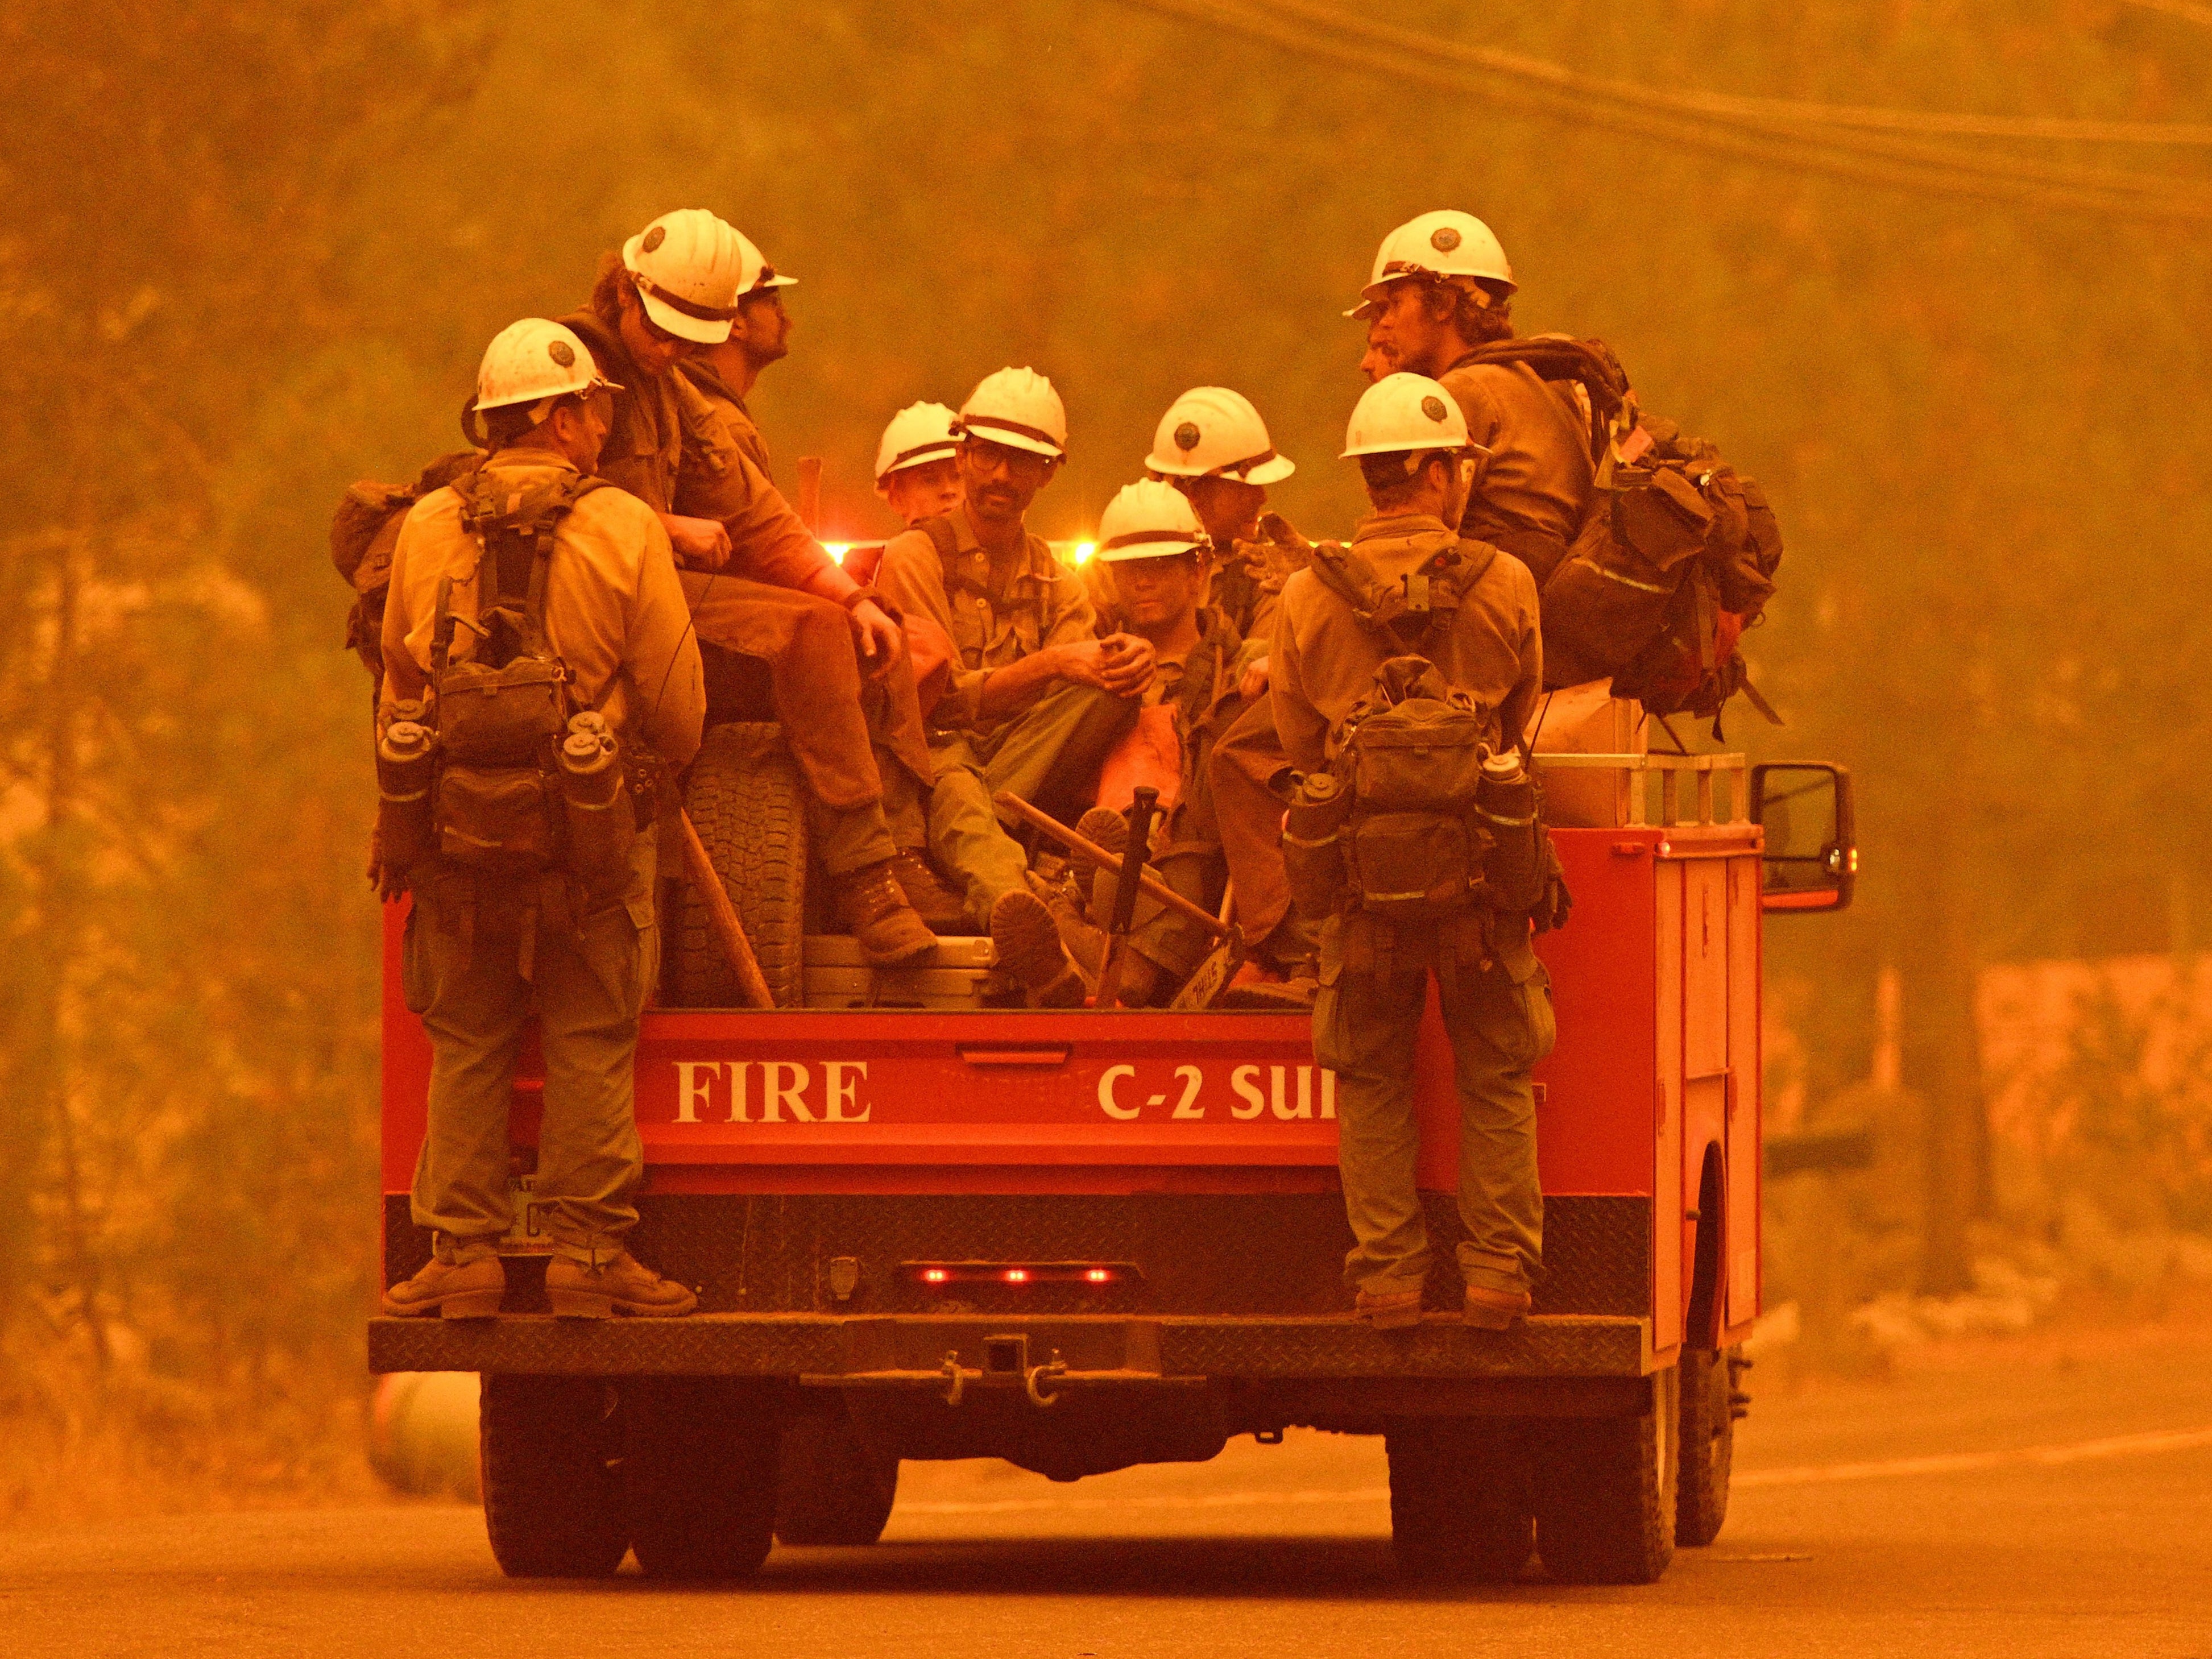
pixel 699 1476
pixel 552 1505
pixel 745 800
pixel 1708 1446
pixel 1459 1499
pixel 832 1486
pixel 1604 1491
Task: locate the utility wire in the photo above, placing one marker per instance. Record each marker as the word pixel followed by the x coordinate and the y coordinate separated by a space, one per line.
pixel 1507 81
pixel 2189 11
pixel 1767 114
pixel 1755 116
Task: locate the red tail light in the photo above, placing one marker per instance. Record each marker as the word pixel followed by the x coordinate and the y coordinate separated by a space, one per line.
pixel 1091 1275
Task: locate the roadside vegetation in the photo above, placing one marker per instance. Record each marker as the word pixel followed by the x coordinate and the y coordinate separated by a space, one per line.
pixel 1980 420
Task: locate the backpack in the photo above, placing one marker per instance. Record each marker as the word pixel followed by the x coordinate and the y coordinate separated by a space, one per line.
pixel 502 712
pixel 1674 560
pixel 365 530
pixel 1409 759
pixel 1407 613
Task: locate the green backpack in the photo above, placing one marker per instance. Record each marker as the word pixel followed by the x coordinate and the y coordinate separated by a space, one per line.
pixel 502 712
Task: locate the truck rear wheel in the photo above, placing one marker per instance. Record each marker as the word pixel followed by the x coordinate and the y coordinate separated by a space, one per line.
pixel 1708 1446
pixel 1459 1498
pixel 1604 1491
pixel 746 801
pixel 552 1506
pixel 832 1487
pixel 699 1476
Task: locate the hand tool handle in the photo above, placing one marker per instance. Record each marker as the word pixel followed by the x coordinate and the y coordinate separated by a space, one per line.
pixel 722 916
pixel 1098 855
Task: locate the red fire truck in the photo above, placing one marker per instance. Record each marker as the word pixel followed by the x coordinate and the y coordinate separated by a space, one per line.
pixel 924 1227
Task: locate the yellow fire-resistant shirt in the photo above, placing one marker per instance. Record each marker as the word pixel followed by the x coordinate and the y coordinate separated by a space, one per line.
pixel 614 612
pixel 1324 657
pixel 996 611
pixel 1539 476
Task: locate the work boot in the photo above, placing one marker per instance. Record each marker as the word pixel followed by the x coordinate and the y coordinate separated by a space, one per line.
pixel 1390 1311
pixel 1029 947
pixel 1495 1310
pixel 1108 829
pixel 1085 943
pixel 451 1290
pixel 870 903
pixel 941 910
pixel 616 1284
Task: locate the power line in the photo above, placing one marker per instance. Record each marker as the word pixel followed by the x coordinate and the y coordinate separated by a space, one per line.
pixel 2189 11
pixel 1508 80
pixel 1762 113
pixel 1756 116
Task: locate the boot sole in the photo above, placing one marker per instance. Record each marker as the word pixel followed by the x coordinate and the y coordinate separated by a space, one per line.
pixel 1027 940
pixel 1495 1319
pixel 586 1304
pixel 475 1305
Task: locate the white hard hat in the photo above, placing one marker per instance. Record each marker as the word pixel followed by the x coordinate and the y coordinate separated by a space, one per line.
pixel 1402 412
pixel 1211 431
pixel 755 274
pixel 1445 243
pixel 1017 407
pixel 533 360
pixel 687 264
pixel 918 434
pixel 1148 520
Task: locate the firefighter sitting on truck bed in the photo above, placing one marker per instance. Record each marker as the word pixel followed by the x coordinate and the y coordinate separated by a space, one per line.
pixel 1415 636
pixel 533 883
pixel 1035 699
pixel 757 581
pixel 1154 551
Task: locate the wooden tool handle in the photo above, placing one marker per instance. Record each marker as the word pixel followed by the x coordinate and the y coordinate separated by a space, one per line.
pixel 1098 855
pixel 722 916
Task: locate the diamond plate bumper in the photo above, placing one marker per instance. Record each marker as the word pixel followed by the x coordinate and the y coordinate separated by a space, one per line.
pixel 863 1351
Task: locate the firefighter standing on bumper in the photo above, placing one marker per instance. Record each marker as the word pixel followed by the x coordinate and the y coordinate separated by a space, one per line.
pixel 535 620
pixel 1480 637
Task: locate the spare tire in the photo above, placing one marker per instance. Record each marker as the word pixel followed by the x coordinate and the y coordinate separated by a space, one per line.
pixel 746 803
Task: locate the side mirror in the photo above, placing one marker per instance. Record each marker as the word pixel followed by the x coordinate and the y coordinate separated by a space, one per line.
pixel 1812 857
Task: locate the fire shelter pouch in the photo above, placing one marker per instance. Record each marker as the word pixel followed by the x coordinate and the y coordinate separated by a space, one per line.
pixel 498 819
pixel 510 716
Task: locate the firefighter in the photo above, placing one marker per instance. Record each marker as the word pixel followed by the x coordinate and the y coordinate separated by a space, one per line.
pixel 760 334
pixel 1213 446
pixel 1150 538
pixel 487 948
pixel 770 591
pixel 918 462
pixel 1036 698
pixel 1441 289
pixel 1411 442
pixel 670 292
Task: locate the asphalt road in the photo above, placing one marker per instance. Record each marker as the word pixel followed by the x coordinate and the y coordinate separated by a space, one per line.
pixel 2035 1500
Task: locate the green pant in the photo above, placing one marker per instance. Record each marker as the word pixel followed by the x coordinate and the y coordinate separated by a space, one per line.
pixel 1364 1026
pixel 483 953
pixel 1048 755
pixel 847 838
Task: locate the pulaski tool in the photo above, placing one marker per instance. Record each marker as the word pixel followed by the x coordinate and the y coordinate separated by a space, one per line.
pixel 1213 976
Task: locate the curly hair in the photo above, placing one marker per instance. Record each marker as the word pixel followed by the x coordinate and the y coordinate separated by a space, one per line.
pixel 606 290
pixel 1479 313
